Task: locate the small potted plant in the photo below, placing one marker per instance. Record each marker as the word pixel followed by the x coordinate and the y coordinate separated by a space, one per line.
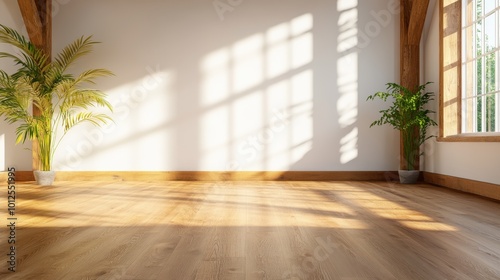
pixel 407 114
pixel 60 99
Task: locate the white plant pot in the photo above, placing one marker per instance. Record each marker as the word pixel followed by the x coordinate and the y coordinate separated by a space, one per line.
pixel 408 176
pixel 44 178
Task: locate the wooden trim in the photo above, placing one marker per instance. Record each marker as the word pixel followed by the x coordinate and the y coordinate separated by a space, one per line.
pixel 465 185
pixel 21 176
pixel 441 67
pixel 211 176
pixel 469 138
pixel 450 62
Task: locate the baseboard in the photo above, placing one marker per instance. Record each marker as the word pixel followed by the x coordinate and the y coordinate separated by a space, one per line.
pixel 21 176
pixel 210 176
pixel 488 190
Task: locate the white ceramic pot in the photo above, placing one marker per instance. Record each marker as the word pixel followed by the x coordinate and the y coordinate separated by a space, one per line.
pixel 44 178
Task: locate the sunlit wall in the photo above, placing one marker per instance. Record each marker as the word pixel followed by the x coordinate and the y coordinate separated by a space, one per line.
pixel 235 85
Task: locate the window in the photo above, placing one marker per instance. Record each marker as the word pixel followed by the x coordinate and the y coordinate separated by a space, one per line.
pixel 469 103
pixel 480 67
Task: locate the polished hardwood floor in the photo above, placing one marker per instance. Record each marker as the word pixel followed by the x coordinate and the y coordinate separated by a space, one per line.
pixel 251 230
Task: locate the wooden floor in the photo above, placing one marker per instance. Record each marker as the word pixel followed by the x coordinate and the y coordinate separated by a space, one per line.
pixel 251 230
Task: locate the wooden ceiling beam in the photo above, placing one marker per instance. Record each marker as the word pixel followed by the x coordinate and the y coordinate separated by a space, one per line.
pixel 32 20
pixel 417 21
pixel 37 16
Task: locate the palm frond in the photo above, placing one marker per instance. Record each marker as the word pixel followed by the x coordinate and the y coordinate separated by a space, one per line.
pixel 74 51
pixel 89 75
pixel 67 86
pixel 31 57
pixel 5 80
pixel 95 119
pixel 25 131
pixel 12 37
pixel 83 99
pixel 15 99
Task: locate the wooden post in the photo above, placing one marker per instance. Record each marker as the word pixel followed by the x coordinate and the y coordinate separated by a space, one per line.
pixel 37 15
pixel 412 19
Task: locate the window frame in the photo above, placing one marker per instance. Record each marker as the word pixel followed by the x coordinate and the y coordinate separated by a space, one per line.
pixel 450 97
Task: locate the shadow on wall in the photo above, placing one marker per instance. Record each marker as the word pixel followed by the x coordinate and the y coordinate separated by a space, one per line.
pixel 362 30
pixel 226 92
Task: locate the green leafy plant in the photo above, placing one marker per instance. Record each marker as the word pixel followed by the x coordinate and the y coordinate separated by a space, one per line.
pixel 407 114
pixel 61 99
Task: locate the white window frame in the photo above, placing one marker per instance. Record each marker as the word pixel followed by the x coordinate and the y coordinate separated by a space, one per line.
pixel 469 117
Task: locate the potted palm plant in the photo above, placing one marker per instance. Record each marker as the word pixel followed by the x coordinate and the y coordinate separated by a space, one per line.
pixel 60 99
pixel 407 114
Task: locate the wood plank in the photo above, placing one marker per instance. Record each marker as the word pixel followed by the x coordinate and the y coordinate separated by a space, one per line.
pixel 253 230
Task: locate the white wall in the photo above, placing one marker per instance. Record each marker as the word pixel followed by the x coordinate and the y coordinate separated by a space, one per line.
pixel 476 161
pixel 11 155
pixel 262 85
